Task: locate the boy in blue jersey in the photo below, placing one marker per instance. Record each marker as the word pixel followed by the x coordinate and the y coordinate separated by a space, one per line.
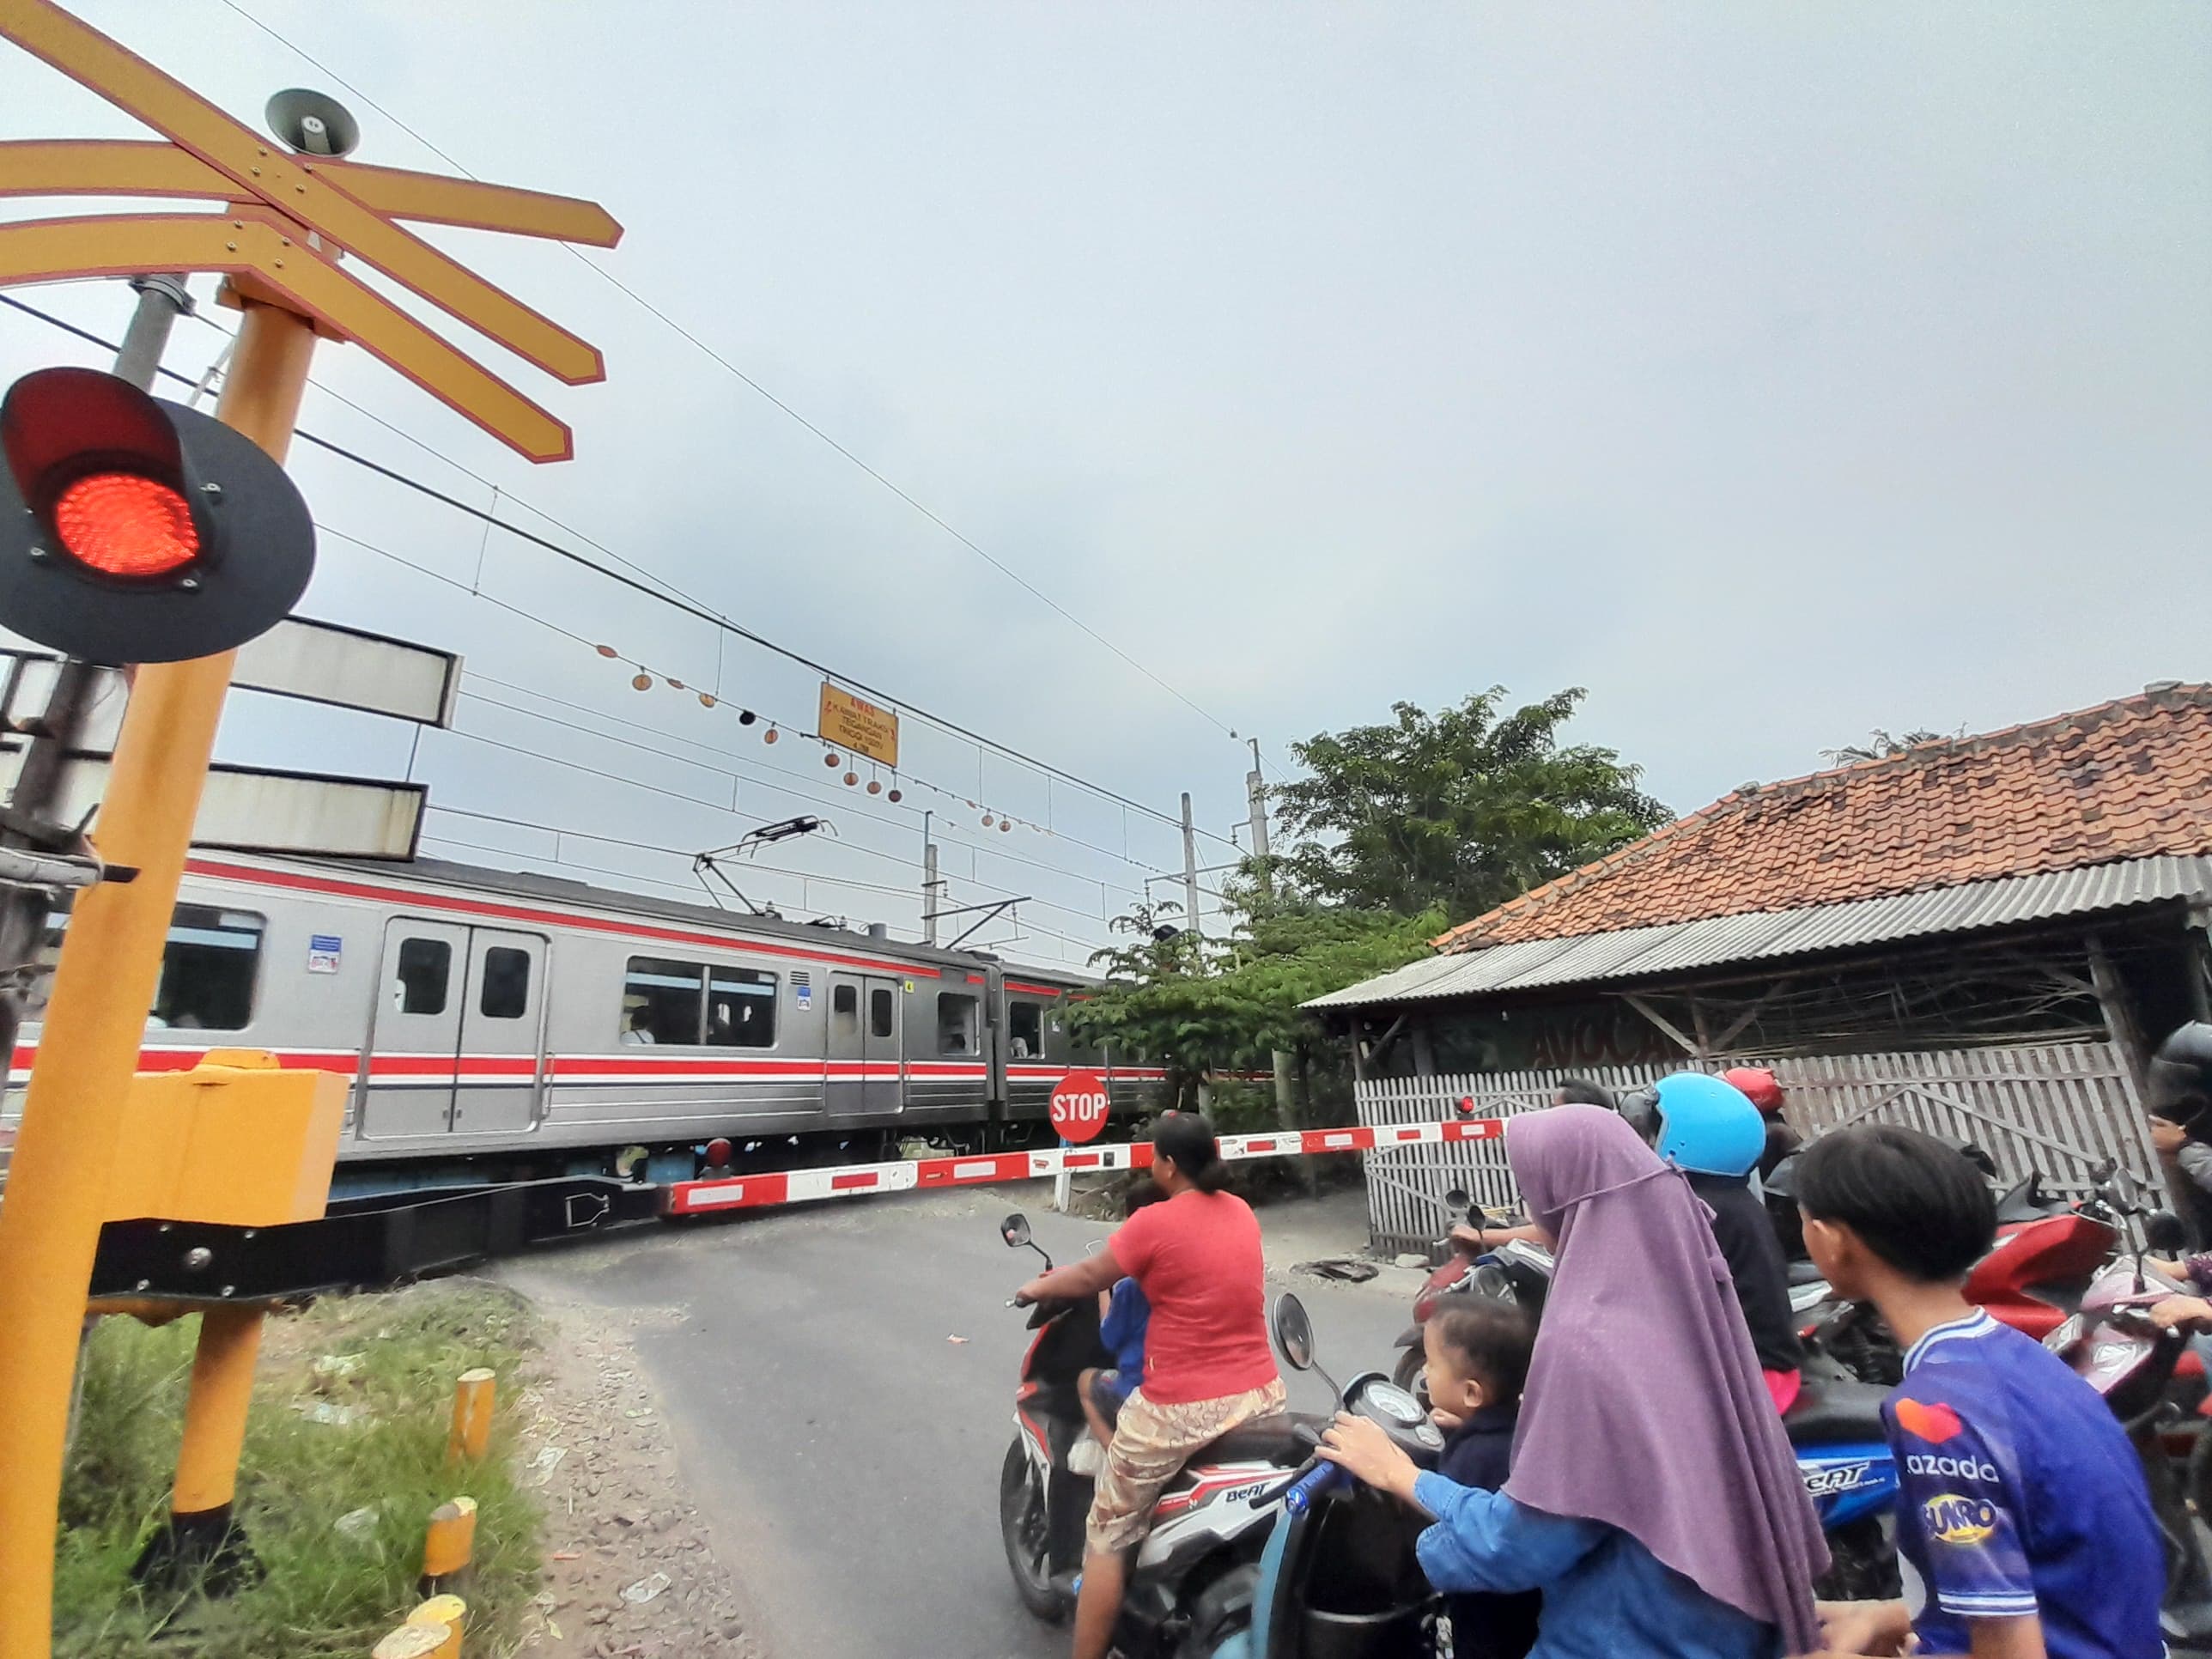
pixel 2023 1527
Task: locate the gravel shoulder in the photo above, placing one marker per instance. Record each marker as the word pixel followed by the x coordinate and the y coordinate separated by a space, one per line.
pixel 631 1569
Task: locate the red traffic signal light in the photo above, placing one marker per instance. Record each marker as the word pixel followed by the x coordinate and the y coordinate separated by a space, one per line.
pixel 123 525
pixel 133 530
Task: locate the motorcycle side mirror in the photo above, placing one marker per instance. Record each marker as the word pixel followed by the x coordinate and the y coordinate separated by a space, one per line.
pixel 2164 1233
pixel 1015 1229
pixel 1294 1332
pixel 2127 1196
pixel 1456 1200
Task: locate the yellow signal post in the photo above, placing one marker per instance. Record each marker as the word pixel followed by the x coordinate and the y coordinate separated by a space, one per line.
pixel 237 1141
pixel 291 217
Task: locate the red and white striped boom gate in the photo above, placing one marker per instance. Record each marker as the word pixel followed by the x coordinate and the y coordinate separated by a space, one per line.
pixel 846 1181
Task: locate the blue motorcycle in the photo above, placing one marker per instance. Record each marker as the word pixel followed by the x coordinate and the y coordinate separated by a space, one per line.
pixel 1835 1427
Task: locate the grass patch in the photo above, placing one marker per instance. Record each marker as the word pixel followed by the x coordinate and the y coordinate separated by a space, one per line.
pixel 321 1591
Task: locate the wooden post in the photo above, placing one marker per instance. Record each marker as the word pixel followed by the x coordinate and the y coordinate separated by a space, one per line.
pixel 449 1547
pixel 471 1435
pixel 1688 1045
pixel 2120 1015
pixel 1425 1051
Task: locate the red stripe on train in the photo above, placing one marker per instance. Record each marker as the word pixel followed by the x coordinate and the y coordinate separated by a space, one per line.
pixel 434 900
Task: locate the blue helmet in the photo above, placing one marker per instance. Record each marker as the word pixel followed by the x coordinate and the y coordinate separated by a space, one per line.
pixel 1700 1123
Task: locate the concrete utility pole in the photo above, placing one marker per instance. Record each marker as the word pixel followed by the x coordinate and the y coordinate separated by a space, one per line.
pixel 1189 867
pixel 1190 909
pixel 58 730
pixel 932 888
pixel 1256 796
pixel 1256 793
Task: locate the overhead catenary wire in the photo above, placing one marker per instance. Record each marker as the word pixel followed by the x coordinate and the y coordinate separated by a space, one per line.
pixel 813 791
pixel 563 833
pixel 717 805
pixel 778 402
pixel 656 588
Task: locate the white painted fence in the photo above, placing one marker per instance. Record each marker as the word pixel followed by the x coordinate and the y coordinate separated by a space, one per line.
pixel 2058 1107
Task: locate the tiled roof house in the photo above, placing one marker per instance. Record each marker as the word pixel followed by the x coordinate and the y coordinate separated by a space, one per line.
pixel 2029 903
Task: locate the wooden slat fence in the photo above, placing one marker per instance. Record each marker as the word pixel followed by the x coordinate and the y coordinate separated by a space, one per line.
pixel 2058 1107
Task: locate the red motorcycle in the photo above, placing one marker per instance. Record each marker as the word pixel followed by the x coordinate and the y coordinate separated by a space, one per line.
pixel 2046 1254
pixel 2134 1364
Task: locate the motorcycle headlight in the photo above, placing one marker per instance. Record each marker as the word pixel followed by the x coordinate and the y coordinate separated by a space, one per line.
pixel 2066 1335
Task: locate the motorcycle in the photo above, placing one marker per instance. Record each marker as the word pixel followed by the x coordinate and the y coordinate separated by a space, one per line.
pixel 1258 1550
pixel 2113 1345
pixel 1835 1424
pixel 2045 1254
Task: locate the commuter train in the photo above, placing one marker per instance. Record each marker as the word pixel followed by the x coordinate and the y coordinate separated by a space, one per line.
pixel 499 1026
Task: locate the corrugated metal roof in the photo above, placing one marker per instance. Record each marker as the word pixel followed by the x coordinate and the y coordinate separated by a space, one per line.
pixel 1677 947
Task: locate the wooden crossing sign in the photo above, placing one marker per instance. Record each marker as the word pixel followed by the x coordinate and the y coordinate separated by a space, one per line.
pixel 291 219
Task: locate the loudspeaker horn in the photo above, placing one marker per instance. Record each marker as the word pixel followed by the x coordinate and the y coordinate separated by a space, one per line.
pixel 313 123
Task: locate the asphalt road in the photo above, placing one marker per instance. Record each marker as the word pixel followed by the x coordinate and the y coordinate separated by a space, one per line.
pixel 844 1448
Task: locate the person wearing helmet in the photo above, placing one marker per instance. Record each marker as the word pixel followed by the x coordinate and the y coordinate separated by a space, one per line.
pixel 1709 1130
pixel 1764 1090
pixel 2180 1090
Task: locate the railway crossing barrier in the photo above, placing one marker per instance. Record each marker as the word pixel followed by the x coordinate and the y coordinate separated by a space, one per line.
pixel 800 1186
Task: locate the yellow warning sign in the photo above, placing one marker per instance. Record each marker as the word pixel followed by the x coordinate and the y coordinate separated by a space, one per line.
pixel 856 724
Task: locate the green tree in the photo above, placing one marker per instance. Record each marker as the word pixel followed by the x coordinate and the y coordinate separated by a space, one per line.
pixel 1459 811
pixel 1207 1009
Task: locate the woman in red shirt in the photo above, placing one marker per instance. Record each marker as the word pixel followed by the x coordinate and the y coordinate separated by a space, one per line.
pixel 1207 1364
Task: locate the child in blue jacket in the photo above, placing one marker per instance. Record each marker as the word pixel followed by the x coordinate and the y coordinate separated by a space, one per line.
pixel 1125 1315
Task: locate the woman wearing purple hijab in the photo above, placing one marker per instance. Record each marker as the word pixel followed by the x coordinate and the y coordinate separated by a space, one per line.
pixel 1654 1497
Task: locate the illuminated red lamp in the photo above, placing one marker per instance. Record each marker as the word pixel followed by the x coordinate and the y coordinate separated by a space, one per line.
pixel 133 530
pixel 124 526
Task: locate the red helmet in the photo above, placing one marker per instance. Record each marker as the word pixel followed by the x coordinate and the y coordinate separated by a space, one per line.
pixel 1758 1083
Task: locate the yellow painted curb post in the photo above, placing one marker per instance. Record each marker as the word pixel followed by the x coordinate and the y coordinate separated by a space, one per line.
pixel 448 1614
pixel 416 1642
pixel 449 1547
pixel 470 1436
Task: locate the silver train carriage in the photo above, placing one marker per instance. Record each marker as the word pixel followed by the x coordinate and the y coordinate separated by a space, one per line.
pixel 499 1025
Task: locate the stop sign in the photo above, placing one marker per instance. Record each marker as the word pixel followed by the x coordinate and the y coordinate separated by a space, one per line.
pixel 1079 1106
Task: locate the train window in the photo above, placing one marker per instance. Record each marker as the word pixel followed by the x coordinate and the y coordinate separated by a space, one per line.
pixel 208 965
pixel 425 965
pixel 506 991
pixel 1025 1030
pixel 882 1012
pixel 956 1022
pixel 207 970
pixel 663 1001
pixel 845 1009
pixel 740 1008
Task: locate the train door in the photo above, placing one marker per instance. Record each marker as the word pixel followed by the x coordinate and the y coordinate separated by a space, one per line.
pixel 416 1034
pixel 502 1033
pixel 864 1077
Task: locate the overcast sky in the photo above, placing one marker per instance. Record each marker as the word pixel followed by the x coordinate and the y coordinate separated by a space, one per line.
pixel 1774 371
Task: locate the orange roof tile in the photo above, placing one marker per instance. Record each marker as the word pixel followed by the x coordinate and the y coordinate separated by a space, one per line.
pixel 2126 779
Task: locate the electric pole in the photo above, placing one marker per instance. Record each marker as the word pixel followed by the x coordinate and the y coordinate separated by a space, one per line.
pixel 1256 796
pixel 1189 867
pixel 59 728
pixel 931 889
